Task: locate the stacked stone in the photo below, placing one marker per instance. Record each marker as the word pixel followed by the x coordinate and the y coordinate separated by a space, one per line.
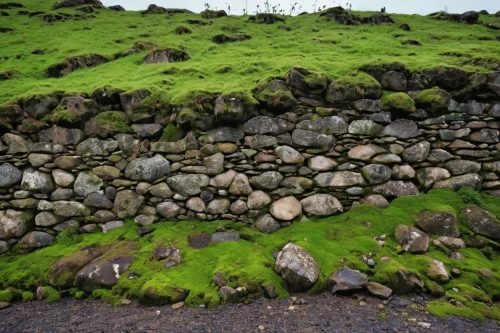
pixel 300 148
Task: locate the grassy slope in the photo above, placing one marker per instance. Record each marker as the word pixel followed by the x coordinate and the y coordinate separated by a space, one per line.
pixel 271 51
pixel 333 242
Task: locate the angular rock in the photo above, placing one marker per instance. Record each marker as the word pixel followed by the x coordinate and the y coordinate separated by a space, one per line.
pixel 218 206
pixel 269 180
pixel 411 239
pixel 36 181
pixel 188 185
pixel 102 273
pixel 417 153
pixel 286 209
pixel 87 182
pixel 95 147
pixel 482 222
pixel 267 125
pixel 379 290
pixel 437 272
pixel 16 144
pixel 9 175
pixel 393 81
pixel 258 200
pixel 240 185
pixel 438 223
pixel 289 155
pixel 266 224
pixel 297 267
pixel 472 180
pixel 148 169
pixel 46 219
pixel 324 125
pixel 346 279
pixel 161 190
pixel 61 135
pixel 321 205
pixel 223 134
pixel 427 177
pixel 14 223
pixel 461 167
pixel 396 189
pixel 365 152
pixel 128 202
pixel 364 127
pixel 98 200
pixel 223 181
pixel 401 129
pixel 36 240
pixel 375 200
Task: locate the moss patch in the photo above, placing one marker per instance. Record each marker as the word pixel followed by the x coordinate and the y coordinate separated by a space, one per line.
pixel 398 102
pixel 115 121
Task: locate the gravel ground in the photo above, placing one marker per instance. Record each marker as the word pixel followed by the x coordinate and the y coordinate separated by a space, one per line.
pixel 321 313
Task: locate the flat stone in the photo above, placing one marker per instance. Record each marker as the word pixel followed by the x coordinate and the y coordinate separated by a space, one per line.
pixel 220 237
pixel 321 205
pixel 438 223
pixel 339 179
pixel 346 279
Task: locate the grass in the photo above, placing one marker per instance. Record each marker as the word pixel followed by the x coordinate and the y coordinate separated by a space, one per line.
pixel 334 242
pixel 222 68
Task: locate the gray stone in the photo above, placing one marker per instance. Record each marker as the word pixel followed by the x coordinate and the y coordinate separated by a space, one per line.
pixel 427 177
pixel 169 210
pixel 146 131
pixel 63 178
pixel 269 180
pixel 289 155
pixel 9 175
pixel 386 159
pixel 396 189
pixel 148 169
pixel 339 179
pixel 321 205
pixel 368 105
pixel 161 190
pixel 128 203
pixel 379 290
pixel 16 144
pixel 452 243
pixel 346 279
pixel 365 152
pixel 393 81
pixel 188 185
pixel 297 268
pixel 472 180
pixel 95 147
pixel 223 134
pixel 61 135
pixel 482 222
pixel 103 216
pixel 437 272
pixel 213 165
pixel 485 135
pixel 375 200
pixel 36 240
pixel 258 200
pixel 63 194
pixel 417 153
pixel 364 127
pixel 70 209
pixel 324 125
pixel 403 282
pixel 267 125
pixel 238 207
pixel 401 129
pixel 439 156
pixel 102 273
pixel 266 224
pixel 108 226
pixel 87 182
pixel 321 163
pixel 472 108
pixel 107 172
pixel 14 223
pixel 144 220
pixel 240 185
pixel 312 139
pixel 223 181
pixel 36 181
pixel 38 160
pixel 220 237
pixel 438 223
pixel 286 209
pixel 228 295
pixel 98 200
pixel 461 167
pixel 218 206
pixel 376 173
pixel 46 219
pixel 411 239
pixel 401 172
pixel 260 141
pixel 4 247
pixel 68 162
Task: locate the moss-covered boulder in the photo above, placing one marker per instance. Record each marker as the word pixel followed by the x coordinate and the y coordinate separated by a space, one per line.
pixel 108 123
pixel 73 63
pixel 235 108
pixel 196 120
pixel 38 106
pixel 139 105
pixel 172 133
pixel 211 14
pixel 398 102
pixel 306 84
pixel 108 98
pixel 435 101
pixel 73 110
pixel 352 88
pixel 62 273
pixel 447 78
pixel 165 55
pixel 10 116
pixel 274 94
pixel 160 293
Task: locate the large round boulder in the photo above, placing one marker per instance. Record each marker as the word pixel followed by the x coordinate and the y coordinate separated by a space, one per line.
pixel 438 223
pixel 286 209
pixel 321 205
pixel 297 267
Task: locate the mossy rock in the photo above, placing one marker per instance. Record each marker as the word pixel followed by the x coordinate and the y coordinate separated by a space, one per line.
pixel 107 296
pixel 304 83
pixel 154 293
pixel 183 29
pixel 273 93
pixel 211 14
pixel 10 116
pixel 172 133
pixel 71 64
pixel 6 296
pixel 398 102
pixel 165 55
pixel 51 295
pixel 436 101
pixel 28 296
pixel 72 110
pixel 114 121
pixel 235 107
pixel 353 87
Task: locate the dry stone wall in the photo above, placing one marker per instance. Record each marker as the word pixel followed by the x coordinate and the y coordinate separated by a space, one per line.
pixel 297 147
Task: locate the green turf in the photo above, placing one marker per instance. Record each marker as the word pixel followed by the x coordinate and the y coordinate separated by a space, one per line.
pixel 318 44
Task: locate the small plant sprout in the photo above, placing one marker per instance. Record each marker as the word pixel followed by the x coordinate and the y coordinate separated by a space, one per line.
pixel 207 6
pixel 228 8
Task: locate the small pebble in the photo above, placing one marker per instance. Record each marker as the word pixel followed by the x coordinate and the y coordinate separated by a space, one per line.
pixel 424 325
pixel 126 301
pixel 158 312
pixel 291 308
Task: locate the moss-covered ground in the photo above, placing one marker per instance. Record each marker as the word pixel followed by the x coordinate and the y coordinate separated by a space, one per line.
pixel 310 41
pixel 334 242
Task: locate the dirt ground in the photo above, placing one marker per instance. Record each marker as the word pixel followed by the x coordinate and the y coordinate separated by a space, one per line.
pixel 320 313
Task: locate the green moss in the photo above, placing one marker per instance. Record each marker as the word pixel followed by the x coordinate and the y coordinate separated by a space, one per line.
pixel 186 116
pixel 51 294
pixel 359 79
pixel 172 133
pixel 432 100
pixel 398 102
pixel 443 309
pixel 28 296
pixel 107 296
pixel 79 295
pixel 69 236
pixel 114 120
pixel 62 116
pixel 470 292
pixel 6 296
